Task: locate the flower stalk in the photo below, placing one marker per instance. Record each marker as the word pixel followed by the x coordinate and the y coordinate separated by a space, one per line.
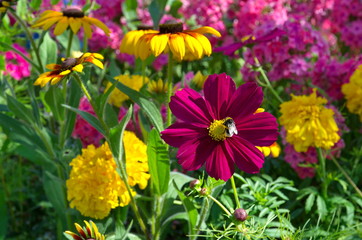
pixel 169 87
pixel 236 196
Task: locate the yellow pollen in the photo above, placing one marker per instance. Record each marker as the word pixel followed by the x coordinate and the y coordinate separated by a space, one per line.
pixel 217 130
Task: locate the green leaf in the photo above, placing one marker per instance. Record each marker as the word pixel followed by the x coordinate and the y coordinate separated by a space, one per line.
pixel 3 214
pixel 55 191
pixel 175 6
pixel 2 62
pixel 116 135
pixel 54 99
pixel 321 206
pixel 48 50
pixel 74 95
pixel 20 110
pixel 129 11
pixel 190 209
pixel 35 4
pixel 21 8
pixel 157 10
pixel 64 39
pixel 54 2
pixel 159 162
pixel 149 107
pixel 92 120
pixel 309 203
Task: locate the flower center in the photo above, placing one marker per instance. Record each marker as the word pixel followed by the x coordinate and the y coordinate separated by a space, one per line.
pixel 73 12
pixel 68 63
pixel 171 28
pixel 219 130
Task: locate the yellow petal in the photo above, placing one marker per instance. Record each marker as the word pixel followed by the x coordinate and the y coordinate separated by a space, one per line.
pixel 203 30
pixel 66 72
pixel 50 13
pixel 87 29
pixel 142 49
pixel 177 46
pixel 158 43
pixel 98 23
pixel 78 68
pixel 97 63
pixel 61 26
pixel 75 24
pixel 52 66
pixel 97 55
pixel 55 80
pixel 193 46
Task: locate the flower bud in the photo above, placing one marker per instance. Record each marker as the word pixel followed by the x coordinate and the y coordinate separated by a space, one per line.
pixel 240 214
pixel 203 191
pixel 194 183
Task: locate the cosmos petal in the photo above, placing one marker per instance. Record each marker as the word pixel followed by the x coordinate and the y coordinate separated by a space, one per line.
pixel 179 133
pixel 218 89
pixel 246 156
pixel 260 129
pixel 189 106
pixel 219 165
pixel 245 101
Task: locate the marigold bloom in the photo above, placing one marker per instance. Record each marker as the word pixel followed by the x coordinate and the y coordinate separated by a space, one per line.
pixel 94 186
pixel 68 66
pixel 70 17
pixel 89 232
pixel 220 129
pixel 273 149
pixel 184 44
pixel 308 123
pixel 135 82
pixel 353 92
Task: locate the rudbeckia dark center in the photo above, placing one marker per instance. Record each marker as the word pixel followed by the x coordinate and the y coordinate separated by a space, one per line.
pixel 143 27
pixel 68 63
pixel 219 130
pixel 171 28
pixel 73 12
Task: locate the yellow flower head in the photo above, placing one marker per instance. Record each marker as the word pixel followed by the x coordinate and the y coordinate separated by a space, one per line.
pixel 131 38
pixel 308 123
pixel 135 82
pixel 184 44
pixel 4 5
pixel 273 149
pixel 70 17
pixel 199 80
pixel 90 231
pixel 94 186
pixel 68 65
pixel 353 92
pixel 158 86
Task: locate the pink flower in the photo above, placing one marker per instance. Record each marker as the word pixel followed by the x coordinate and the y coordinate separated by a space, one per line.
pixel 296 158
pixel 220 129
pixel 15 65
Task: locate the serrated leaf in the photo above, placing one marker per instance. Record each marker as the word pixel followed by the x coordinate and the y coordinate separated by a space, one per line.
pixel 159 162
pixel 321 206
pixel 309 203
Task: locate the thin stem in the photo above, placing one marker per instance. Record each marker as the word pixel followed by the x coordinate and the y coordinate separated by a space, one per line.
pixel 203 213
pixel 169 87
pixel 85 43
pixel 220 205
pixel 236 196
pixel 266 80
pixel 143 72
pixel 39 69
pixel 346 176
pixel 70 41
pixel 322 161
pixel 32 43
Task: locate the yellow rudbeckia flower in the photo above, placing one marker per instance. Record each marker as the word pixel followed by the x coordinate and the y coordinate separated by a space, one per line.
pixel 184 44
pixel 273 149
pixel 131 38
pixel 68 65
pixel 70 17
pixel 90 231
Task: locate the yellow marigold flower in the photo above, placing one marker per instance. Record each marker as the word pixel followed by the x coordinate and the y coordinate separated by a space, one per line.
pixel 199 80
pixel 158 86
pixel 353 92
pixel 184 44
pixel 70 17
pixel 89 232
pixel 131 38
pixel 308 123
pixel 4 5
pixel 273 149
pixel 68 66
pixel 94 186
pixel 135 82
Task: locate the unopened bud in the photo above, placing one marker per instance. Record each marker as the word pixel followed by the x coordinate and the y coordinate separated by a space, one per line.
pixel 203 191
pixel 240 214
pixel 194 183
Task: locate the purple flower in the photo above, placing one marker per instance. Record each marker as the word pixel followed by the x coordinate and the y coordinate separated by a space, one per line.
pixel 220 129
pixel 15 65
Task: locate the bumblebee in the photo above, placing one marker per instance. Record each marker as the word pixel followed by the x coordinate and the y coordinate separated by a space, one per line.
pixel 230 129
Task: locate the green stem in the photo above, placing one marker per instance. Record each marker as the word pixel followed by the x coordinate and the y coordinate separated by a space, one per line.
pixel 267 83
pixel 45 140
pixel 236 196
pixel 143 72
pixel 322 162
pixel 220 205
pixel 70 41
pixel 30 38
pixel 40 70
pixel 85 43
pixel 203 213
pixel 169 87
pixel 346 176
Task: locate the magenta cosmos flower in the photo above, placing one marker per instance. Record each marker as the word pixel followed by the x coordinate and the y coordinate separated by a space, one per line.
pixel 220 129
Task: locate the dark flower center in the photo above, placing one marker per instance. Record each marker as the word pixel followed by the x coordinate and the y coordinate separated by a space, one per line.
pixel 73 12
pixel 143 27
pixel 171 28
pixel 68 64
